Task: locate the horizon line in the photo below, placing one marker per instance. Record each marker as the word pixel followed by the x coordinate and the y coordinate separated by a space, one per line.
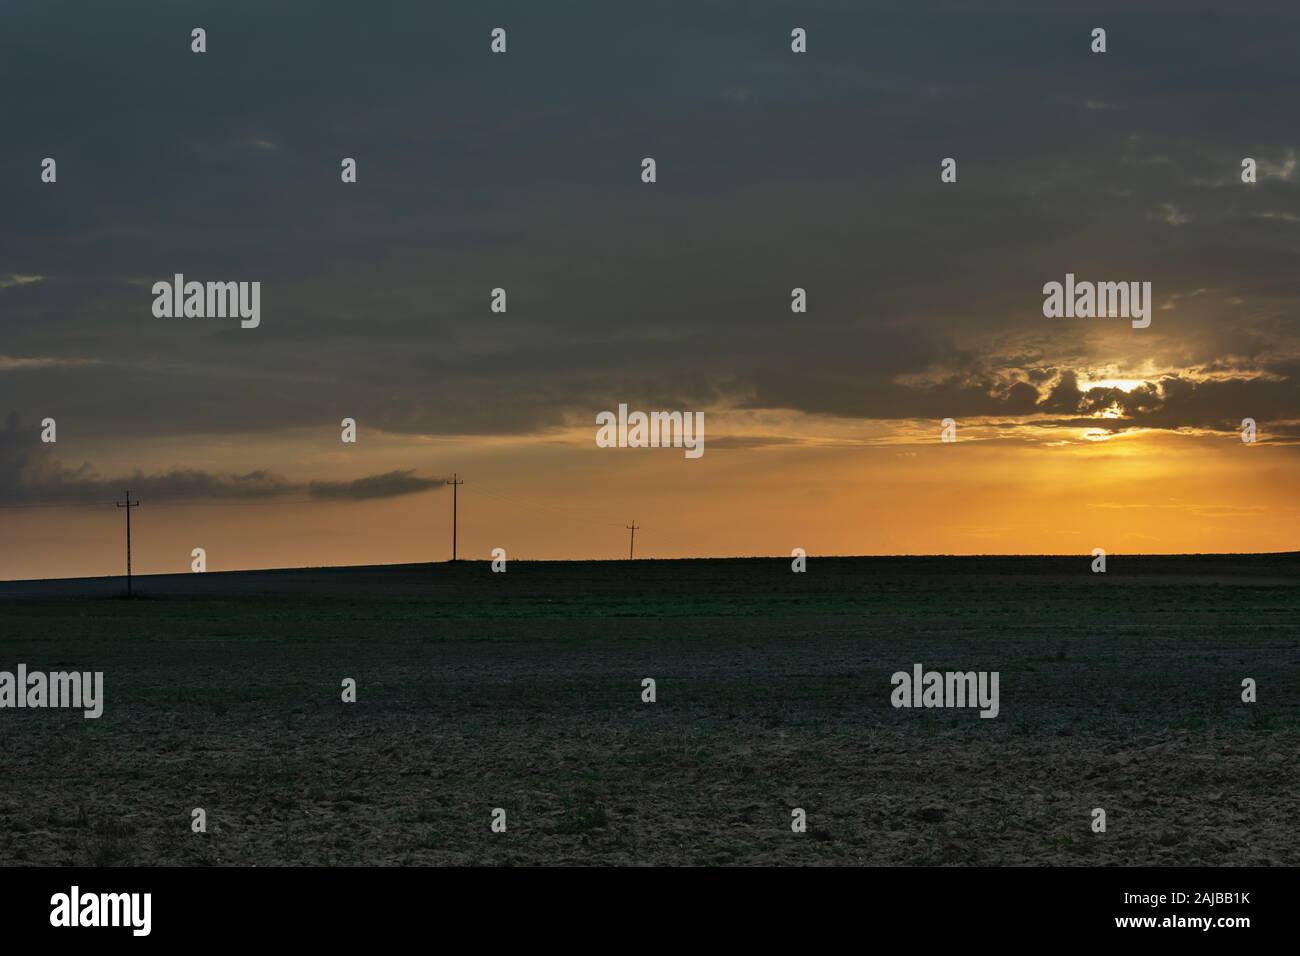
pixel 752 557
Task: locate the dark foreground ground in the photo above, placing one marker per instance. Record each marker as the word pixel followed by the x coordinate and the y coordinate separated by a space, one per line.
pixel 523 691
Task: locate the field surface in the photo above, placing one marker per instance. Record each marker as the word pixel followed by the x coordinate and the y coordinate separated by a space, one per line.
pixel 523 691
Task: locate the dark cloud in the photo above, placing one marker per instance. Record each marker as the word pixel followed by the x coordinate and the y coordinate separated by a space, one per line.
pixel 522 171
pixel 1064 396
pixel 388 485
pixel 29 473
pixel 1172 402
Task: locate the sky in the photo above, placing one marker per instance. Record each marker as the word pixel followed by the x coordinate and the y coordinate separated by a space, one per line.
pixel 522 171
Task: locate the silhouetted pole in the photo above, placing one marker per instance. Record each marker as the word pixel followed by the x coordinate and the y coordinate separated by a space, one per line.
pixel 454 485
pixel 128 505
pixel 632 543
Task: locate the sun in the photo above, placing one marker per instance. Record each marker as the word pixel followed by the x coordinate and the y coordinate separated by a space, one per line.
pixel 1123 384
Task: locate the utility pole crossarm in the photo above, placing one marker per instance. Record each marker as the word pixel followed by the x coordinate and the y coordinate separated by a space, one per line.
pixel 455 484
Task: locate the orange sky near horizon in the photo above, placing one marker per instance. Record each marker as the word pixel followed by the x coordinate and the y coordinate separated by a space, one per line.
pixel 891 492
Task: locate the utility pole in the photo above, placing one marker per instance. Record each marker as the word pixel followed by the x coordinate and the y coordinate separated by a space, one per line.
pixel 632 543
pixel 128 505
pixel 454 485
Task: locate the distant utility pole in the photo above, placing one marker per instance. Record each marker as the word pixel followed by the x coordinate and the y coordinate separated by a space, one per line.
pixel 454 485
pixel 128 505
pixel 632 543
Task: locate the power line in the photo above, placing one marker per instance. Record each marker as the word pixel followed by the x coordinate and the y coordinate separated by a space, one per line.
pixel 533 500
pixel 205 502
pixel 567 511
